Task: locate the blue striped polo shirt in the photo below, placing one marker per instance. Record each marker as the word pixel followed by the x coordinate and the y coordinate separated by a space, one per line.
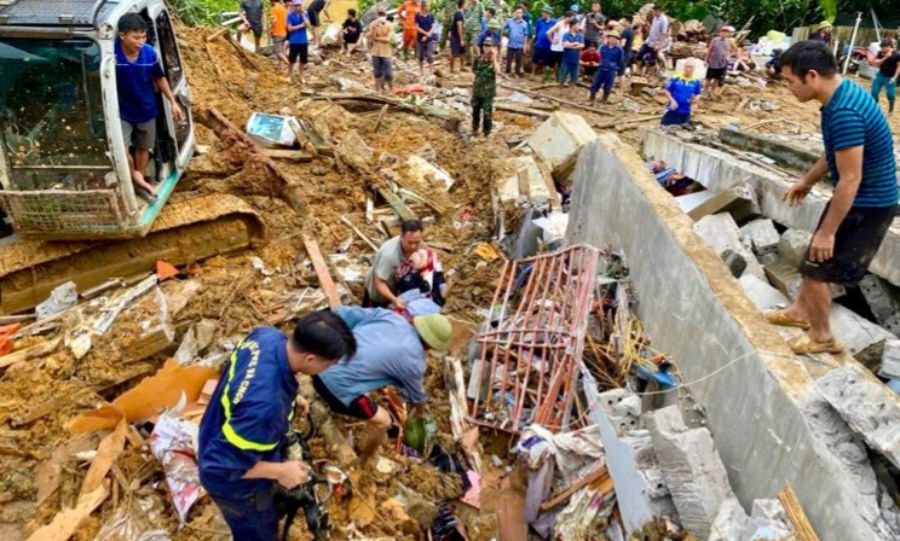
pixel 851 119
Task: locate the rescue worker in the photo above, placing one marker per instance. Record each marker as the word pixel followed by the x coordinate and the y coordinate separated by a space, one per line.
pixel 248 416
pixel 484 89
pixel 391 353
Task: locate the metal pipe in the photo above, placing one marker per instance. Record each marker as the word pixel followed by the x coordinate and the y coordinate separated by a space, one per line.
pixel 852 42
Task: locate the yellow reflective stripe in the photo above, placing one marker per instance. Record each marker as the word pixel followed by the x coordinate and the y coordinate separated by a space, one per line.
pixel 227 430
pixel 235 439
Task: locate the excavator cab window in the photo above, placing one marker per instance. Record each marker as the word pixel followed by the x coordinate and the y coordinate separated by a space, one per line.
pixel 52 127
pixel 169 49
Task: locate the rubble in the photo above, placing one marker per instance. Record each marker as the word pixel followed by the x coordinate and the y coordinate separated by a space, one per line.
pixel 694 473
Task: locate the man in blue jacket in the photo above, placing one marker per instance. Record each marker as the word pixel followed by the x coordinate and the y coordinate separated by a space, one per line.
pixel 682 90
pixel 250 412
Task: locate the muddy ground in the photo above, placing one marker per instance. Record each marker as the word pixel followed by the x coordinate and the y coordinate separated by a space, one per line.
pixel 38 472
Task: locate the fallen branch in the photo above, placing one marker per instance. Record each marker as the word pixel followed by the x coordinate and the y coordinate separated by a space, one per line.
pixel 437 112
pixel 217 33
pixel 380 116
pixel 527 111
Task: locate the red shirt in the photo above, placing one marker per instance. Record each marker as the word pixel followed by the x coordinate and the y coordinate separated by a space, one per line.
pixel 588 55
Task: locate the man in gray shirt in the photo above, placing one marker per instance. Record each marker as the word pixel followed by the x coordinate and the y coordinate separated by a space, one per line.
pixel 656 38
pixel 593 26
pixel 392 261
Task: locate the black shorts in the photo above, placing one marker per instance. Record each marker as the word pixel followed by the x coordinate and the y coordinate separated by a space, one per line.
pixel 351 39
pixel 313 12
pixel 855 244
pixel 648 55
pixel 716 74
pixel 298 50
pixel 362 407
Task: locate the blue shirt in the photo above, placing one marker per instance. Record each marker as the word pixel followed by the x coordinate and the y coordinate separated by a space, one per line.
pixel 134 81
pixel 494 33
pixel 517 32
pixel 541 27
pixel 851 119
pixel 389 352
pixel 682 90
pixel 611 58
pixel 297 37
pixel 572 55
pixel 258 387
pixel 426 23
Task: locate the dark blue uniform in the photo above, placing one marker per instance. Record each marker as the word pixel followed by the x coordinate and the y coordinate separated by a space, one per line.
pixel 247 417
pixel 612 59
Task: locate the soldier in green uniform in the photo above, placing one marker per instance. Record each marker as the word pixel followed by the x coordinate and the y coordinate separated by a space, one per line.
pixel 473 13
pixel 484 87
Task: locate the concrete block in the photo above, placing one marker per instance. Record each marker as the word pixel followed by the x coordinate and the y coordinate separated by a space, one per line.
pixel 890 359
pixel 721 232
pixel 762 294
pixel 737 200
pixel 787 278
pixel 784 153
pixel 883 300
pixel 792 245
pixel 519 179
pixel 763 235
pixel 693 471
pixel 871 409
pixel 730 521
pixel 641 492
pixel 559 138
pixel 768 522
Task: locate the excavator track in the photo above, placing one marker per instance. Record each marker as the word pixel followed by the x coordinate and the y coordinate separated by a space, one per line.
pixel 188 230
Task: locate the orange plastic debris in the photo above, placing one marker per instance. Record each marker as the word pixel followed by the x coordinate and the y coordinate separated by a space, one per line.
pixel 165 270
pixel 6 345
pixel 410 89
pixel 8 330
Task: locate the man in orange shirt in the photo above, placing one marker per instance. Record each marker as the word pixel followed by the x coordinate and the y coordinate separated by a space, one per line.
pixel 279 30
pixel 408 10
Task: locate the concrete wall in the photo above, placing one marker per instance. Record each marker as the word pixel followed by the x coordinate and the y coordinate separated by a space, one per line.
pixel 697 313
pixel 718 170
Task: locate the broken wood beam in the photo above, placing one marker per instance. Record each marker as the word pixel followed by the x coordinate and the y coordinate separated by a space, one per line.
pixel 217 33
pixel 285 154
pixel 326 282
pixel 381 116
pixel 600 476
pixel 399 206
pixel 527 111
pixel 37 350
pixel 241 52
pixel 797 517
pixel 627 121
pixel 359 233
pixel 557 100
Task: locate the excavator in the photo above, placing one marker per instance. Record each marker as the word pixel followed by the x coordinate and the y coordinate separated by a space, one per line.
pixel 65 181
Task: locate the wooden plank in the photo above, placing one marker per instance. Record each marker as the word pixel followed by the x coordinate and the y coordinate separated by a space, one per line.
pixel 519 110
pixel 628 121
pixel 600 476
pixel 292 155
pixel 399 207
pixel 568 103
pixel 359 233
pixel 326 282
pixel 796 515
pixel 24 354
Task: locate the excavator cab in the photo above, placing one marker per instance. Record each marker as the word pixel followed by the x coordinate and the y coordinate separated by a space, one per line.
pixel 64 166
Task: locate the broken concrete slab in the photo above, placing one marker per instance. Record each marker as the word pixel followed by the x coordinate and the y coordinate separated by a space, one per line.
pixel 641 491
pixel 520 179
pixel 558 140
pixel 787 278
pixel 730 522
pixel 890 359
pixel 428 174
pixel 738 200
pixel 861 338
pixel 783 152
pixel 719 170
pixel 691 466
pixel 883 300
pixel 709 321
pixel 793 244
pixel 721 232
pixel 763 235
pixel 870 408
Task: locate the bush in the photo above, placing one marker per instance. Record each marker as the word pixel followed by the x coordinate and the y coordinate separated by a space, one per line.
pixel 202 12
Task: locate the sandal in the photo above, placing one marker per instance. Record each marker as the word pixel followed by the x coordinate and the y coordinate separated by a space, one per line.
pixel 783 319
pixel 804 345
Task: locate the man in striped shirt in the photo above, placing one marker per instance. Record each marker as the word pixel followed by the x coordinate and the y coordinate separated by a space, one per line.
pixel 859 159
